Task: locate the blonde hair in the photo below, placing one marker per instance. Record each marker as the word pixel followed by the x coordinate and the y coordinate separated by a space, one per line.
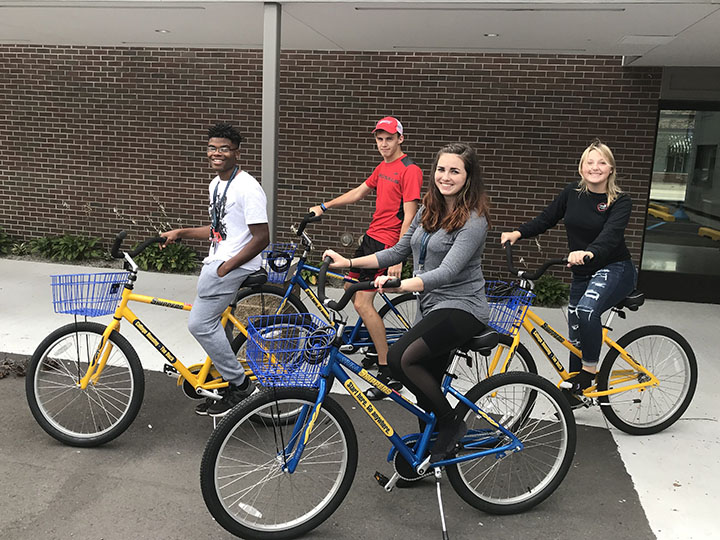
pixel 611 189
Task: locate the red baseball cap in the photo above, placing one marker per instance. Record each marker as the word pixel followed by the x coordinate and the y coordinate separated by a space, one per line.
pixel 389 124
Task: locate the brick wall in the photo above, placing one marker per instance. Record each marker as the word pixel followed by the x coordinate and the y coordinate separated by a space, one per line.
pixel 93 140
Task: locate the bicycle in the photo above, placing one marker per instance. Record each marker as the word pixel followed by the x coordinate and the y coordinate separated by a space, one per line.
pixel 282 476
pixel 646 380
pixel 278 296
pixel 85 382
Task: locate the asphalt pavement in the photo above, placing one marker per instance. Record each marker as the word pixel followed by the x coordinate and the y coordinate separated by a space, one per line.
pixel 145 484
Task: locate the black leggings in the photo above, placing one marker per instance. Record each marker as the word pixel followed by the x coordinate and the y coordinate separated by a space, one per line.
pixel 421 356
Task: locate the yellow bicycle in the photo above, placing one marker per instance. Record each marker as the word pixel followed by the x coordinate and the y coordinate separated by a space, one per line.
pixel 646 380
pixel 85 382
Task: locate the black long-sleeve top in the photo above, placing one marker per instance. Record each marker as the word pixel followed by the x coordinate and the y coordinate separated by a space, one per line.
pixel 590 225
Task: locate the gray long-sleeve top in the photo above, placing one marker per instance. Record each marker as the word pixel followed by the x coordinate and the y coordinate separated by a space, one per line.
pixel 452 273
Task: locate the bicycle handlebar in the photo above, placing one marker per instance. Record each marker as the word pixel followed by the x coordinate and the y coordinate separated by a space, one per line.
pixel 531 276
pixel 117 254
pixel 349 292
pixel 309 218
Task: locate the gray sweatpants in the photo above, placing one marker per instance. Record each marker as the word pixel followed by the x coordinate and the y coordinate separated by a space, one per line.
pixel 214 294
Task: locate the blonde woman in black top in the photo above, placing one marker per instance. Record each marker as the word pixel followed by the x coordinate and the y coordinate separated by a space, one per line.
pixel 595 213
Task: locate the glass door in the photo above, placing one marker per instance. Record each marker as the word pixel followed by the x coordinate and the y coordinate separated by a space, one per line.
pixel 681 250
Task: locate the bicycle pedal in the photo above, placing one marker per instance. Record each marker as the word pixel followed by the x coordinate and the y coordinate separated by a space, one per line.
pixel 347 348
pixel 170 371
pixel 381 479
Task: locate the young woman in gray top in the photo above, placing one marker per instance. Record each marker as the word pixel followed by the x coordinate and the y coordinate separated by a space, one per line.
pixel 446 238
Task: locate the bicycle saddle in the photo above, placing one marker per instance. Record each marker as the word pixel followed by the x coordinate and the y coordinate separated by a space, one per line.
pixel 632 301
pixel 256 278
pixel 483 343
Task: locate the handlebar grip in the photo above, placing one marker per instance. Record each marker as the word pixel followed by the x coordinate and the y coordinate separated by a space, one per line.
pixel 392 283
pixel 322 275
pixel 115 251
pixel 309 218
pixel 508 258
pixel 146 243
pixel 349 292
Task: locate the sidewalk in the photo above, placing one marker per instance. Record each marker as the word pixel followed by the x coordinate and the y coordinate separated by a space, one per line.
pixel 675 473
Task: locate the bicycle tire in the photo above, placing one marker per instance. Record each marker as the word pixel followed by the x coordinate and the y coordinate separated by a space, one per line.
pixel 407 306
pixel 468 376
pixel 102 411
pixel 518 480
pixel 667 355
pixel 262 300
pixel 241 478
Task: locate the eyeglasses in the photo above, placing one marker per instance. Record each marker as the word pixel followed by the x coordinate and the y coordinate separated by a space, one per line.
pixel 222 149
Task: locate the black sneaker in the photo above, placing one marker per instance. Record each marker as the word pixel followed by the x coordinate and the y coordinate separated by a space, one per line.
pixel 202 408
pixel 573 400
pixel 449 435
pixel 385 377
pixel 579 382
pixel 371 359
pixel 233 396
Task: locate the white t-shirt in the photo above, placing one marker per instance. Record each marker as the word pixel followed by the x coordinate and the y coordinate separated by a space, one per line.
pixel 244 204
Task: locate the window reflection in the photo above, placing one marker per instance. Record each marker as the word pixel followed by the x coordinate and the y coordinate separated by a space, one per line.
pixel 684 210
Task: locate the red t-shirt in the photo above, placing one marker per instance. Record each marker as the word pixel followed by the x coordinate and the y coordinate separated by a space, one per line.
pixel 395 182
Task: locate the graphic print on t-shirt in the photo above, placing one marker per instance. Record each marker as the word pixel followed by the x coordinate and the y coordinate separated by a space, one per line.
pixel 218 208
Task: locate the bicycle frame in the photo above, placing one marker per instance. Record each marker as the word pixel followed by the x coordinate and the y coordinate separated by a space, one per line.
pixel 337 367
pixel 203 379
pixel 357 335
pixel 529 324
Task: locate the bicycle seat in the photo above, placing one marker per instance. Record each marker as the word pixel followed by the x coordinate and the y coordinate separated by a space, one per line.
pixel 256 278
pixel 483 343
pixel 632 301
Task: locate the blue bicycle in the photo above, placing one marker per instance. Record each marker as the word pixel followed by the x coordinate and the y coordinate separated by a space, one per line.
pixel 282 461
pixel 278 296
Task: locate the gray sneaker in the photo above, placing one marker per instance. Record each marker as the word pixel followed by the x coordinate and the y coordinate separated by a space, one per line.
pixel 233 396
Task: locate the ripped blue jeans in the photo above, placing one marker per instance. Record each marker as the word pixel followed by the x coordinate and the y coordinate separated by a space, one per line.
pixel 590 297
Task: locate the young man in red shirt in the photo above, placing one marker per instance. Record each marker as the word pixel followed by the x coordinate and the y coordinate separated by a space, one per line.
pixel 398 182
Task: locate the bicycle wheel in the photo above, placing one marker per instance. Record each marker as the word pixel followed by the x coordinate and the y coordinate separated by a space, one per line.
pixel 668 356
pixel 472 367
pixel 396 324
pixel 265 300
pixel 262 300
pixel 243 482
pixel 103 410
pixel 517 480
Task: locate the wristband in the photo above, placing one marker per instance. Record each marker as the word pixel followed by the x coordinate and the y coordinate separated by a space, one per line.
pixel 350 261
pixel 324 208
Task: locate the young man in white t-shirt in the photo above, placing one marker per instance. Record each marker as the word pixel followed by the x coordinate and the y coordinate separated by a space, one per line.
pixel 238 233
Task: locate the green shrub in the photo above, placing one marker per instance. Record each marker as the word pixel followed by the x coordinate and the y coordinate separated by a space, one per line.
pixel 21 249
pixel 5 243
pixel 75 248
pixel 64 248
pixel 407 269
pixel 173 258
pixel 41 246
pixel 551 292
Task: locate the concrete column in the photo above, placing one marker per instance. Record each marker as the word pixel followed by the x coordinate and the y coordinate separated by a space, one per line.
pixel 270 107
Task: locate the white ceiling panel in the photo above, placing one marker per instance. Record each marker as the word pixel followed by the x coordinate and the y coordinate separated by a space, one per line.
pixel 658 33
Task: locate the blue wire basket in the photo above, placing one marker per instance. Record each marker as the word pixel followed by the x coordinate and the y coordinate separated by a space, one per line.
pixel 90 295
pixel 277 259
pixel 508 305
pixel 288 349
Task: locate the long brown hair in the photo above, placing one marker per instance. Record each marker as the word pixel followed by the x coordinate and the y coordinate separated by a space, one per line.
pixel 471 197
